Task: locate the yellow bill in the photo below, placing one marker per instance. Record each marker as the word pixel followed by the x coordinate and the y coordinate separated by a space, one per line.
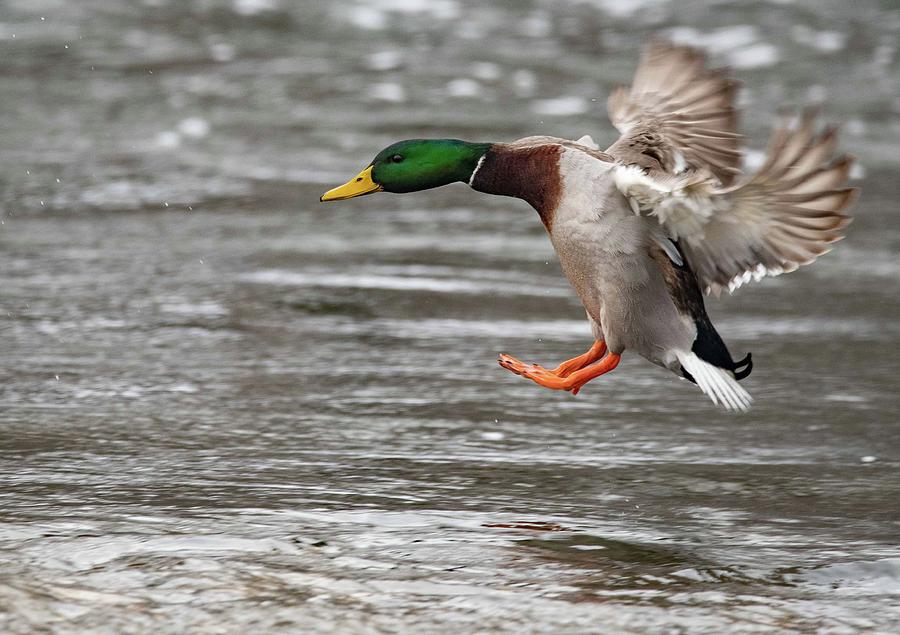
pixel 362 184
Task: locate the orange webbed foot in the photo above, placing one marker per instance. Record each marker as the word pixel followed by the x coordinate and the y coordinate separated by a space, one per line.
pixel 571 375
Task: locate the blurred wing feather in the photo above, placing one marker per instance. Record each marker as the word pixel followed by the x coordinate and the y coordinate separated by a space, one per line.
pixel 677 114
pixel 784 216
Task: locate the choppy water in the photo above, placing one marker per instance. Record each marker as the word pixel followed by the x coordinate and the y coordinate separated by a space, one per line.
pixel 225 407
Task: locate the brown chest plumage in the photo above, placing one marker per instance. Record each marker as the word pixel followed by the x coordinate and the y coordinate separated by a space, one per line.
pixel 530 173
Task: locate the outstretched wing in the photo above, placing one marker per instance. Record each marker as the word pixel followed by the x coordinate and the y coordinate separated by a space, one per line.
pixel 677 115
pixel 783 216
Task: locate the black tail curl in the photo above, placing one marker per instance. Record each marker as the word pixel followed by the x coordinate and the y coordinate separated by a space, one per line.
pixel 747 364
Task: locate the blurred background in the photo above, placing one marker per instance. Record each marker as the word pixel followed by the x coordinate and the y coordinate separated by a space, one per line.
pixel 224 405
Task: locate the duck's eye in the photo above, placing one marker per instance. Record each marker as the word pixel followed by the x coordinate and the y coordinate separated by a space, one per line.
pixel 397 158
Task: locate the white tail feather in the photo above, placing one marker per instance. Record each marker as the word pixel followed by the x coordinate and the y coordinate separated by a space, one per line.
pixel 717 383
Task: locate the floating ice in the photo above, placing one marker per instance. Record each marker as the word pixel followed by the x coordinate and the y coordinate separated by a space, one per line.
pixel 816 94
pixel 825 41
pixel 755 56
pixel 717 41
pixel 194 127
pixel 365 17
pixel 384 60
pixel 463 87
pixel 487 71
pixel 626 8
pixel 855 127
pixel 254 7
pixel 387 91
pixel 740 44
pixel 222 51
pixel 168 139
pixel 753 159
pixel 524 82
pixel 560 106
pixel 537 25
pixel 440 9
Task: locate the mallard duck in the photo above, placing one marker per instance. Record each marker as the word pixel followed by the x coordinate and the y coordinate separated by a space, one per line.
pixel 663 216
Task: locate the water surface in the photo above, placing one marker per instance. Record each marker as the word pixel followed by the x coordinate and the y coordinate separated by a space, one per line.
pixel 224 406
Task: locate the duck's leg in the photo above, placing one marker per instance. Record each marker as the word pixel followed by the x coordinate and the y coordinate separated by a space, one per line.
pixel 574 381
pixel 569 366
pixel 563 370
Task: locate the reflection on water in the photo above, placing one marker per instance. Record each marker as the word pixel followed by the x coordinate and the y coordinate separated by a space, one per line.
pixel 224 406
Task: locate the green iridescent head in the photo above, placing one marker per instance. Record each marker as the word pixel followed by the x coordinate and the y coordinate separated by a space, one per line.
pixel 413 165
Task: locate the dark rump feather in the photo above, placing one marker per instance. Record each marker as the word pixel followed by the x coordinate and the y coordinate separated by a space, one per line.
pixel 684 289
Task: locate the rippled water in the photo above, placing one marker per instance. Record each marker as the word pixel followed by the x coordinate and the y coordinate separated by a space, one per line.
pixel 225 407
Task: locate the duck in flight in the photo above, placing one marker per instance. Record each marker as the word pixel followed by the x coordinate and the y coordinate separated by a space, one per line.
pixel 663 216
